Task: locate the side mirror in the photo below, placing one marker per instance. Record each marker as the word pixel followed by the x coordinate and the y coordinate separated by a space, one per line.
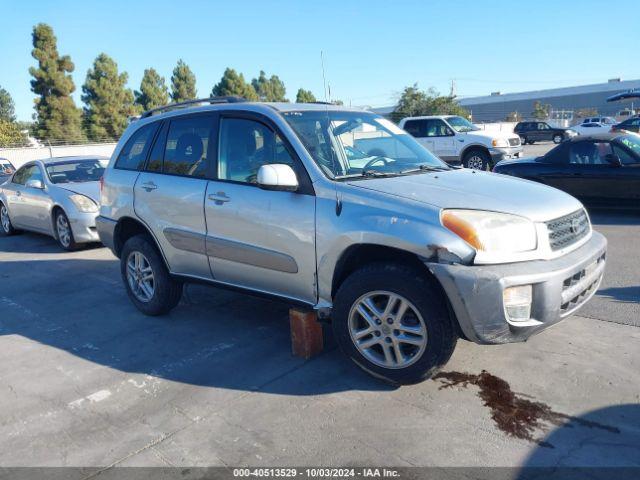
pixel 614 160
pixel 277 176
pixel 450 133
pixel 35 184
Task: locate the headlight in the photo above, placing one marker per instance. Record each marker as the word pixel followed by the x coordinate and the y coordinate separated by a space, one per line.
pixel 499 142
pixel 571 133
pixel 83 203
pixel 491 232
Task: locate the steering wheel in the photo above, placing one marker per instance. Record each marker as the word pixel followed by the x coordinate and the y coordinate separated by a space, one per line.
pixel 374 160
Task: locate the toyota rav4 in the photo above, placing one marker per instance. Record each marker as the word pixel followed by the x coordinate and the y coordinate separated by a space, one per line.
pixel 400 252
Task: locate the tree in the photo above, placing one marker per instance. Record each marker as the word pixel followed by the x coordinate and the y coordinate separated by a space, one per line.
pixel 540 111
pixel 153 91
pixel 7 107
pixel 11 135
pixel 305 96
pixel 513 117
pixel 183 83
pixel 269 89
pixel 233 83
pixel 415 102
pixel 109 104
pixel 57 117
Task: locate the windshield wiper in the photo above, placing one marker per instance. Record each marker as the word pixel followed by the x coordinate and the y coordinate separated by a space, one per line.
pixel 376 173
pixel 426 168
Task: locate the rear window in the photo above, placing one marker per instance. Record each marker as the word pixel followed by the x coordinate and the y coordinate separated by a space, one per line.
pixel 134 153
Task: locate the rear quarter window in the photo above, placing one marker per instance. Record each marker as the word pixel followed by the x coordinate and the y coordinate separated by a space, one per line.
pixel 134 153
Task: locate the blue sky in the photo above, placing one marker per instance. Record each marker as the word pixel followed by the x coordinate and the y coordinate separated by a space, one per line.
pixel 372 48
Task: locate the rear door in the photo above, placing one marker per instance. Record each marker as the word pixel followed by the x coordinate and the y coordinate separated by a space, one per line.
pixel 418 130
pixel 169 193
pixel 629 175
pixel 259 239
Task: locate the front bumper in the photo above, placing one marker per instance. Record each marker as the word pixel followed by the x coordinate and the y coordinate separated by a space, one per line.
pixel 83 226
pixel 560 287
pixel 499 154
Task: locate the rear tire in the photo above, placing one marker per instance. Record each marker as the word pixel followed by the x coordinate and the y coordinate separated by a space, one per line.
pixel 6 227
pixel 476 159
pixel 64 233
pixel 557 138
pixel 401 348
pixel 149 285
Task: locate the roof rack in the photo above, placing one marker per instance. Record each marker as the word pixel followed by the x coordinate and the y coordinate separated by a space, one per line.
pixel 210 100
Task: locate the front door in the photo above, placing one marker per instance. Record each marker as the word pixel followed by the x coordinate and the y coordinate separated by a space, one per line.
pixel 169 194
pixel 259 239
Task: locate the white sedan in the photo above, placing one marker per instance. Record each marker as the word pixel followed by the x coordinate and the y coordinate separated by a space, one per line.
pixel 591 128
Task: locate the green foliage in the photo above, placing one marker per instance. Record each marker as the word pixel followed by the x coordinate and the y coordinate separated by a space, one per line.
pixel 233 83
pixel 153 91
pixel 540 111
pixel 305 96
pixel 11 134
pixel 183 83
pixel 269 89
pixel 7 107
pixel 109 104
pixel 513 117
pixel 57 117
pixel 414 102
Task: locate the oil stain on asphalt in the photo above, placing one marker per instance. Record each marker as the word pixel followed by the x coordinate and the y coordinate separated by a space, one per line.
pixel 512 413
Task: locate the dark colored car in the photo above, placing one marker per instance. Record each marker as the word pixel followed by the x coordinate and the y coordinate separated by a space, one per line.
pixel 6 169
pixel 630 125
pixel 600 170
pixel 537 131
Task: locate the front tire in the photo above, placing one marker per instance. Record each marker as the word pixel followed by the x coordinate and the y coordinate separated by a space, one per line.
pixel 149 285
pixel 476 159
pixel 64 234
pixel 393 322
pixel 5 222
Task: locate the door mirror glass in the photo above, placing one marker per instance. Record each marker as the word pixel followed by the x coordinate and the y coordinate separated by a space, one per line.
pixel 277 176
pixel 34 184
pixel 613 159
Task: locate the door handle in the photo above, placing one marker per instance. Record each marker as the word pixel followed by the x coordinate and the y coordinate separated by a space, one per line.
pixel 148 186
pixel 219 198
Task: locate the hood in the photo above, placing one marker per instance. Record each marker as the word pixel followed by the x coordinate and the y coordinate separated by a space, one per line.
pixel 465 188
pixel 89 189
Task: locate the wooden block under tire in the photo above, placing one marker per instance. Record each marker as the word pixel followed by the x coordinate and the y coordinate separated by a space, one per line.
pixel 306 333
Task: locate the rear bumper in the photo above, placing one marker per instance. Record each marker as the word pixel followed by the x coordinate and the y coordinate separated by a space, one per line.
pixel 560 287
pixel 106 228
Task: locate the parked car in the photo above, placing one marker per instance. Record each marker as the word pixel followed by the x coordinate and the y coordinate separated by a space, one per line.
pixel 603 120
pixel 591 128
pixel 400 252
pixel 456 140
pixel 6 169
pixel 537 131
pixel 599 169
pixel 57 197
pixel 629 125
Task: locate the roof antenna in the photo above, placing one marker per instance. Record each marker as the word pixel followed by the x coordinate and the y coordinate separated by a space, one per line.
pixel 327 88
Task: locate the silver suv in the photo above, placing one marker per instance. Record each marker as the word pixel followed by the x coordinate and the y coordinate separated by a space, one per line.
pixel 341 211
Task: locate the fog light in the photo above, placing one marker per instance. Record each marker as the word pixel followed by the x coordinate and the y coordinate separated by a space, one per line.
pixel 517 303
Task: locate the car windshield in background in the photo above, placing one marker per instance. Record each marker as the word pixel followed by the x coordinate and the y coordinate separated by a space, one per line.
pixel 6 168
pixel 360 144
pixel 76 171
pixel 461 125
pixel 632 142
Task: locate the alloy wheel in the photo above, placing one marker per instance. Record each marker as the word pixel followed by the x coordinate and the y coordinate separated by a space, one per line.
pixel 140 276
pixel 387 329
pixel 64 230
pixel 4 218
pixel 476 162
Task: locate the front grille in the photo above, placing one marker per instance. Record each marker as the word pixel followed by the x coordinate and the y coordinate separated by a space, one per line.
pixel 567 230
pixel 577 288
pixel 514 142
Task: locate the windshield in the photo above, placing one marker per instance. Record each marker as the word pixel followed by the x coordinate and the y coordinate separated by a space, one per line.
pixel 360 144
pixel 76 172
pixel 461 125
pixel 631 141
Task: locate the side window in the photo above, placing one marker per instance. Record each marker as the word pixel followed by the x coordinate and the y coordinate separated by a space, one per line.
pixel 436 128
pixel 34 173
pixel 157 152
pixel 187 144
pixel 20 177
pixel 416 128
pixel 625 157
pixel 246 145
pixel 590 153
pixel 134 153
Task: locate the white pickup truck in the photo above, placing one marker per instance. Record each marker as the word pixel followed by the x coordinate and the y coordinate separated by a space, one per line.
pixel 456 140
